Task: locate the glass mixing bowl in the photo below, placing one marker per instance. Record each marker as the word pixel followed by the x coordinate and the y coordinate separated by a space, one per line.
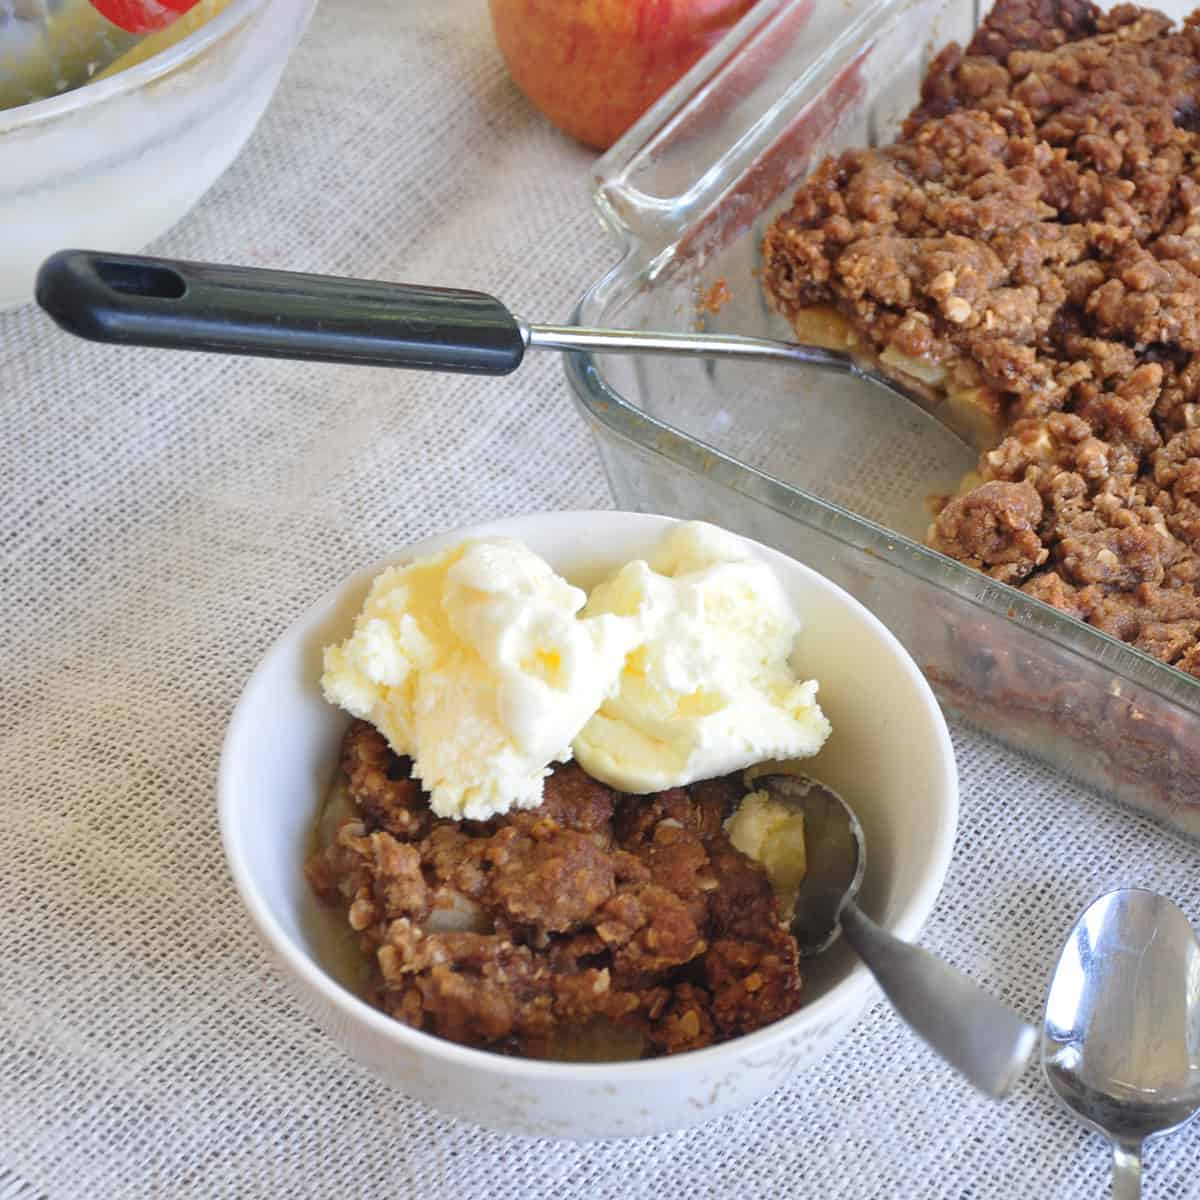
pixel 116 163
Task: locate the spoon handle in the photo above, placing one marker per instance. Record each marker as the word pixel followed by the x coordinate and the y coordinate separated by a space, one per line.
pixel 981 1037
pixel 132 300
pixel 1127 1170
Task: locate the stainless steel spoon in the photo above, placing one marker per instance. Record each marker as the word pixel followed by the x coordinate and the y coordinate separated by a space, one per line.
pixel 138 301
pixel 981 1037
pixel 1121 1041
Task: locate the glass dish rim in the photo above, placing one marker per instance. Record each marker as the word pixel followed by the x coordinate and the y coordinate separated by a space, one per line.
pixel 604 405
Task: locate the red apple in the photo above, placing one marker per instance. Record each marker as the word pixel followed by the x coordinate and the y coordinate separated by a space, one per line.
pixel 594 66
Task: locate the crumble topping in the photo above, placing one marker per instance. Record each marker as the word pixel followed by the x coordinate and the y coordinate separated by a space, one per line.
pixel 634 912
pixel 1034 233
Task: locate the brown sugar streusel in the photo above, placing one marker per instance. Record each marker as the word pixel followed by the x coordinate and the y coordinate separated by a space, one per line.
pixel 630 911
pixel 1035 230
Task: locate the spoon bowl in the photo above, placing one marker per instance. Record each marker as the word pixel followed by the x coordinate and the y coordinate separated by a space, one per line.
pixel 981 1037
pixel 1121 1039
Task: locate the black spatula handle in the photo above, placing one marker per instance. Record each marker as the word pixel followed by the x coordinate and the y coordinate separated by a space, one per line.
pixel 138 301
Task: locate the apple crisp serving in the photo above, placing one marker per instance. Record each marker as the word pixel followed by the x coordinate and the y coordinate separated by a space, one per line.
pixel 1029 247
pixel 630 920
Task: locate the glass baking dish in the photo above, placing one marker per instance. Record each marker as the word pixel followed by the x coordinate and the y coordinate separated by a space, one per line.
pixel 832 470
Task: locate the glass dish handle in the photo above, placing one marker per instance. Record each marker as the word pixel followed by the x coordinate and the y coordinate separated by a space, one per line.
pixel 751 116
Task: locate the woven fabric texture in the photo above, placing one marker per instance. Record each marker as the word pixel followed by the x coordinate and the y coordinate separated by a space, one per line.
pixel 163 516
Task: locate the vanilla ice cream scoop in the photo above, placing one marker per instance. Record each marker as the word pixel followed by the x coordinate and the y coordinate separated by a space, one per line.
pixel 477 665
pixel 485 667
pixel 711 687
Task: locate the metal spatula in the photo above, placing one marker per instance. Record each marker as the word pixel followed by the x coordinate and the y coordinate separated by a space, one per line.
pixel 137 301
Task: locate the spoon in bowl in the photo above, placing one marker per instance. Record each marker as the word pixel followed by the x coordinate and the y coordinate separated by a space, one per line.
pixel 981 1037
pixel 1121 1041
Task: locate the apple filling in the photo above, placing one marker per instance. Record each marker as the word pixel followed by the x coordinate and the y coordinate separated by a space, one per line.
pixel 952 391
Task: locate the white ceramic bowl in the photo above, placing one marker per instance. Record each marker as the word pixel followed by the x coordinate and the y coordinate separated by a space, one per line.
pixel 889 751
pixel 112 165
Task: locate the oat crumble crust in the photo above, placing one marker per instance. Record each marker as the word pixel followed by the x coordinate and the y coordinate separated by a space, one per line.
pixel 1035 231
pixel 635 910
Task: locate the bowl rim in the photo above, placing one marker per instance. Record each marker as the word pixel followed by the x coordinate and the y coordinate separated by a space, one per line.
pixel 132 78
pixel 844 997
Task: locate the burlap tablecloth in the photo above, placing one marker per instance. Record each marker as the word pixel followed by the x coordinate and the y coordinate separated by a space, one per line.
pixel 163 516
